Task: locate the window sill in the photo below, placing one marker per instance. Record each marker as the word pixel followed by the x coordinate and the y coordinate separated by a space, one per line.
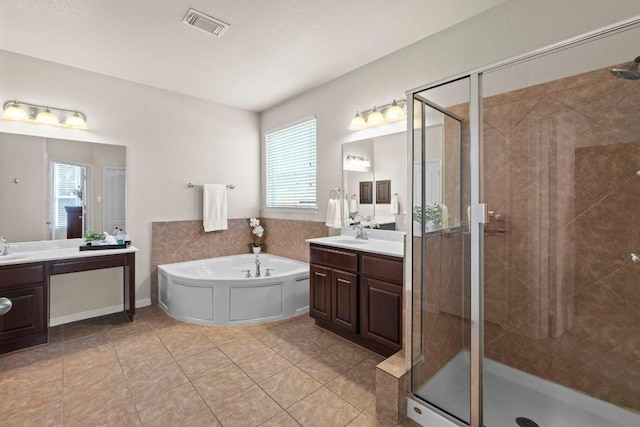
pixel 313 210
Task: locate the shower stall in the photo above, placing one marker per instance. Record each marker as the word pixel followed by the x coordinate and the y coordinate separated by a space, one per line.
pixel 525 274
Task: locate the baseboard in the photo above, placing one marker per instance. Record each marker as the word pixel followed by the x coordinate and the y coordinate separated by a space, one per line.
pixel 74 317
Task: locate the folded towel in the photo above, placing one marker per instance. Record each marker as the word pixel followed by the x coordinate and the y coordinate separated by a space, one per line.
pixel 353 205
pixel 333 214
pixel 395 208
pixel 214 207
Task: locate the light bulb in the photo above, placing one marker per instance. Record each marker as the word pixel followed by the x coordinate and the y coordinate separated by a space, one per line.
pixel 46 117
pixel 375 118
pixel 394 113
pixel 358 122
pixel 14 112
pixel 75 122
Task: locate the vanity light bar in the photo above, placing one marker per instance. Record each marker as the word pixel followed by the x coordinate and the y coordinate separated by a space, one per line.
pixel 394 112
pixel 43 115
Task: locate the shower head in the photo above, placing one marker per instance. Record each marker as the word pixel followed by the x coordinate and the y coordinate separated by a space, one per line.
pixel 629 72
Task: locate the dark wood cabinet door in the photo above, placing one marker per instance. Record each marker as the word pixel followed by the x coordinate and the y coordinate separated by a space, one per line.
pixel 74 221
pixel 344 295
pixel 26 323
pixel 320 292
pixel 381 313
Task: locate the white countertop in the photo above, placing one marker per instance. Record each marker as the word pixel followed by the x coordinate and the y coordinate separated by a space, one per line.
pixel 381 242
pixel 49 250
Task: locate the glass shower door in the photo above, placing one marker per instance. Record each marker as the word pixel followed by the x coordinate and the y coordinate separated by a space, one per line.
pixel 440 246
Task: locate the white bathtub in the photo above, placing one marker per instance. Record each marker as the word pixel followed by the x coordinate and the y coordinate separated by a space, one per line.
pixel 215 291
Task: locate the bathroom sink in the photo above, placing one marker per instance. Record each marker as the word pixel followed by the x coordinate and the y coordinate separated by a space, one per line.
pixel 352 241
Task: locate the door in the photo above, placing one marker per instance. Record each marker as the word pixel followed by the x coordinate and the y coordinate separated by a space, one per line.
pixel 381 316
pixel 344 295
pixel 441 336
pixel 113 184
pixel 320 287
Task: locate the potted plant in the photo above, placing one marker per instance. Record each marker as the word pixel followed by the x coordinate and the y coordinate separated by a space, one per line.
pixel 92 237
pixel 258 232
pixel 432 215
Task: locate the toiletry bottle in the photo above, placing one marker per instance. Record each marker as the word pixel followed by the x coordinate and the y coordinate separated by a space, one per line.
pixel 120 237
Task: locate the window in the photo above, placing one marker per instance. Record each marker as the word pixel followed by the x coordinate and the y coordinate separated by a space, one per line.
pixel 291 166
pixel 68 185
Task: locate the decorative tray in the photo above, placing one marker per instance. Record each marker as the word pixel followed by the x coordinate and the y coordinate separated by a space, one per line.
pixel 104 247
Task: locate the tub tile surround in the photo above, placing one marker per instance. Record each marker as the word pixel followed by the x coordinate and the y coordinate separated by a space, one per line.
pixel 561 299
pixel 140 376
pixel 177 241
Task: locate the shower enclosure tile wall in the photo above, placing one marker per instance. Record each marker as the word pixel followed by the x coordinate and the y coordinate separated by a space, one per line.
pixel 561 294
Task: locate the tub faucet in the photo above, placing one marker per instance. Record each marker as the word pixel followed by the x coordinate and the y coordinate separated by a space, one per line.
pixel 4 246
pixel 257 265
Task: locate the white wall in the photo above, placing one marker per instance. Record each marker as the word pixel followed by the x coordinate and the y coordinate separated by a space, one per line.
pixel 513 28
pixel 171 139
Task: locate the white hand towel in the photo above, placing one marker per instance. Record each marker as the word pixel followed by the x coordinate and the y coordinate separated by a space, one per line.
pixel 333 214
pixel 353 205
pixel 395 209
pixel 345 213
pixel 214 207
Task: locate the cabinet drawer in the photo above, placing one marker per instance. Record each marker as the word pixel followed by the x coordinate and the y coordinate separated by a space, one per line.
pixel 21 275
pixel 334 258
pixel 387 269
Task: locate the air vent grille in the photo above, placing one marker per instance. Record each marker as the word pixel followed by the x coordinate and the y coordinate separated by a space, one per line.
pixel 205 23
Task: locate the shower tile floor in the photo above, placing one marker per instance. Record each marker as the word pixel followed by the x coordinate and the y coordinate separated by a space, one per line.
pixel 158 371
pixel 510 393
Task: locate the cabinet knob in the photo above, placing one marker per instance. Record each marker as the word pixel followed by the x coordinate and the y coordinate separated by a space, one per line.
pixel 5 305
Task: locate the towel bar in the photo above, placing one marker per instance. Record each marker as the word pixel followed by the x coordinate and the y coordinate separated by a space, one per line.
pixel 192 185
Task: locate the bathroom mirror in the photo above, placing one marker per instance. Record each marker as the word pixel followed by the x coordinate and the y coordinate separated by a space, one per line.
pixel 376 160
pixel 57 189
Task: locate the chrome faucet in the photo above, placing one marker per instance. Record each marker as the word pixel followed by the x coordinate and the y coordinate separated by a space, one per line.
pixel 257 266
pixel 361 234
pixel 4 246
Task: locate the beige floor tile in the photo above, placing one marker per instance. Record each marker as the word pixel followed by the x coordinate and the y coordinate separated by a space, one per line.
pixel 321 337
pixel 289 386
pixel 201 419
pixel 222 383
pixel 269 337
pixel 87 381
pixel 143 345
pixel 349 351
pixel 183 347
pixel 87 353
pixel 222 334
pixel 19 359
pixel 298 349
pixel 324 367
pixel 38 371
pixel 323 408
pixel 147 382
pixel 281 420
pixel 251 407
pixel 83 329
pixel 113 400
pixel 171 407
pixel 204 363
pixel 264 364
pixel 155 360
pixel 358 391
pixel 41 416
pixel 24 397
pixel 241 348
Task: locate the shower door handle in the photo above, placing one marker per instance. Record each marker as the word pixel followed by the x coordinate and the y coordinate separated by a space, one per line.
pixel 5 305
pixel 635 258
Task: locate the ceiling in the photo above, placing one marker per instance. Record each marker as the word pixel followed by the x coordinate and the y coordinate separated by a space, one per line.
pixel 275 49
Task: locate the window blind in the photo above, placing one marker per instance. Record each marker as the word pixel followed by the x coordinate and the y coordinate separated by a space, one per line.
pixel 291 166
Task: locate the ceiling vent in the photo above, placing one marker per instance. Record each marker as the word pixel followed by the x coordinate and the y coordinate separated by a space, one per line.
pixel 205 23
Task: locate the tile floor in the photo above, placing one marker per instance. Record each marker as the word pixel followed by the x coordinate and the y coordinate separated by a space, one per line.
pixel 157 371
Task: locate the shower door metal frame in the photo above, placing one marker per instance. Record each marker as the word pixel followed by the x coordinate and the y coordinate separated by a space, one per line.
pixel 479 213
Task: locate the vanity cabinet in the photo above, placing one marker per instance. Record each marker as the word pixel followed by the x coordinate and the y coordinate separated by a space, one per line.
pixel 26 324
pixel 358 296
